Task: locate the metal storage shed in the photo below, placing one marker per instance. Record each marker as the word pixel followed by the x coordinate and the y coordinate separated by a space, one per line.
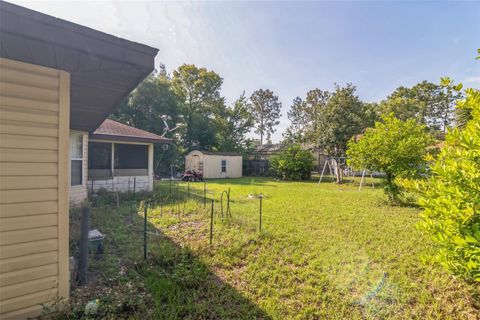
pixel 214 165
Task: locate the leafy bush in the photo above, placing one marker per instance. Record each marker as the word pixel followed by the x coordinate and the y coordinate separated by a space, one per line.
pixel 451 196
pixel 292 163
pixel 394 147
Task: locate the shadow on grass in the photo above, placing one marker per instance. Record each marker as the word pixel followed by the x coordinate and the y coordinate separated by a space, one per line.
pixel 181 286
pixel 184 288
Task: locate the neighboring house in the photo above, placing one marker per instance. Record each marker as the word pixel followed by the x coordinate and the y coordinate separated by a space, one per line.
pixel 258 162
pixel 215 165
pixel 319 156
pixel 265 151
pixel 55 76
pixel 93 167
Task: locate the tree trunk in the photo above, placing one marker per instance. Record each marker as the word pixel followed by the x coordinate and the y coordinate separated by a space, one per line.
pixel 338 172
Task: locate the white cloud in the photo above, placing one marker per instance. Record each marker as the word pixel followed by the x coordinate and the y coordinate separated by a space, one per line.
pixel 472 79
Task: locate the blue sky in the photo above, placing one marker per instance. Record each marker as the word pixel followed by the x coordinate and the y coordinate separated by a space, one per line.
pixel 291 47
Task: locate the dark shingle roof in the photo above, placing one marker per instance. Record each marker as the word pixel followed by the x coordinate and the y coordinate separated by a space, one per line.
pixel 113 130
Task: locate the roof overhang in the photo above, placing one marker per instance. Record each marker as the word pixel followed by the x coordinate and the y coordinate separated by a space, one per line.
pixel 103 69
pixel 111 137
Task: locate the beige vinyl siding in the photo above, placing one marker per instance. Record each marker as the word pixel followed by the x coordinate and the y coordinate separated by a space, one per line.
pixel 77 194
pixel 34 129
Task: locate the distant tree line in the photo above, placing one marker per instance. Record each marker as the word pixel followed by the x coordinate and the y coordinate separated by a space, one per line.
pixel 190 101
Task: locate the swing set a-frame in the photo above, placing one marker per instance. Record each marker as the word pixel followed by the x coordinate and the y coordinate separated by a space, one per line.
pixel 349 170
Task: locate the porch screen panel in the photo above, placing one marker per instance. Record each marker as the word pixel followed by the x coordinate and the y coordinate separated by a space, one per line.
pixel 99 155
pixel 131 156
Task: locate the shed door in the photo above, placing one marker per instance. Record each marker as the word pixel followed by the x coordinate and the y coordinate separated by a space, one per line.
pixel 34 131
pixel 196 163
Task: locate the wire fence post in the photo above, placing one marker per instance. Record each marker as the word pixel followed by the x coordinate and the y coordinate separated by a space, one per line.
pixel 204 195
pixel 211 225
pixel 145 208
pixel 188 190
pixel 83 259
pixel 260 224
pixel 134 186
pixel 161 207
pixel 229 213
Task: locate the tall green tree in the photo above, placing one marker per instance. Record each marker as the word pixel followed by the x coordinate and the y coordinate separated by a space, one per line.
pixel 298 122
pixel 149 104
pixel 233 123
pixel 198 93
pixel 428 103
pixel 265 109
pixel 148 107
pixel 305 115
pixel 343 116
pixel 394 147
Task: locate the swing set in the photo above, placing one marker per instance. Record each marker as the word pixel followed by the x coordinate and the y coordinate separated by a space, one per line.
pixel 341 161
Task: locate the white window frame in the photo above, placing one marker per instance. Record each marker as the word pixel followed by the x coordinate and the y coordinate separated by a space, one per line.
pixel 223 166
pixel 82 176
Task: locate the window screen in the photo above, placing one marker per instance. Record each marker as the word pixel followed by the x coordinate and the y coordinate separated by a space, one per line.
pixel 76 159
pixel 76 173
pixel 131 156
pixel 99 155
pixel 224 165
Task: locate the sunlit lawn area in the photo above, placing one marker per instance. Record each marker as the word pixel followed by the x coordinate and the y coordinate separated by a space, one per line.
pixel 326 251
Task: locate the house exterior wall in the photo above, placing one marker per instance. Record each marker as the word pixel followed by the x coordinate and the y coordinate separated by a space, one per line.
pixel 78 194
pixel 212 165
pixel 121 184
pixel 34 139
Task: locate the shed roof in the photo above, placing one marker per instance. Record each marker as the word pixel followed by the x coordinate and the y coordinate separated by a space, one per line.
pixel 103 69
pixel 113 130
pixel 220 153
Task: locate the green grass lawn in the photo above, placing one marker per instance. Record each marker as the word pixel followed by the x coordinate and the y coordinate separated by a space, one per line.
pixel 325 252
